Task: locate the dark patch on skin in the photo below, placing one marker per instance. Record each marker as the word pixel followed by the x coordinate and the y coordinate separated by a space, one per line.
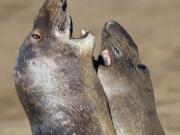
pixel 57 86
pixel 64 7
pixel 71 27
pixel 98 62
pixel 127 85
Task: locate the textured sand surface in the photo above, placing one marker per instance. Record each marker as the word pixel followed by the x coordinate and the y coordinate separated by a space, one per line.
pixel 154 25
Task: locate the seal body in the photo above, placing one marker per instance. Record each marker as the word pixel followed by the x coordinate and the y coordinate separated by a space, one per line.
pixel 127 84
pixel 55 79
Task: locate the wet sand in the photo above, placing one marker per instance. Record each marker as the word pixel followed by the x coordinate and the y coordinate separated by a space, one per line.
pixel 154 25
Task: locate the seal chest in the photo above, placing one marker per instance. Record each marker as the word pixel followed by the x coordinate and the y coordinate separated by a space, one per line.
pixel 42 71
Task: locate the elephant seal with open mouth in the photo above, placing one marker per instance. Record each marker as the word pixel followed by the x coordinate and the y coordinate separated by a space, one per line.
pixel 127 84
pixel 55 79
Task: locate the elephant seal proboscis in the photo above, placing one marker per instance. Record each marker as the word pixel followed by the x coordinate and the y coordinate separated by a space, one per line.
pixel 55 79
pixel 127 84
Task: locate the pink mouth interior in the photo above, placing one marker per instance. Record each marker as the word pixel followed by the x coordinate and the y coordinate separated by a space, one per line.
pixel 106 57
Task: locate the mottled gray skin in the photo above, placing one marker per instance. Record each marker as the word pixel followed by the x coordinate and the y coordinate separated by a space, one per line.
pixel 127 85
pixel 55 79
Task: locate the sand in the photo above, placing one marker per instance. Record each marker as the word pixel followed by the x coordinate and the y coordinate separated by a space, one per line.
pixel 154 25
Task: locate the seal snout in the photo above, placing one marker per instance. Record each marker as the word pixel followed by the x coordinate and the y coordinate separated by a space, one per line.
pixel 118 42
pixel 111 47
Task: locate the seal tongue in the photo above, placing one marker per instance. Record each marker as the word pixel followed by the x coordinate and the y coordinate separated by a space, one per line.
pixel 106 56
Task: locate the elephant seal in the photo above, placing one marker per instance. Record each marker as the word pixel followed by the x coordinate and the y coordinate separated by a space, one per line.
pixel 127 84
pixel 55 79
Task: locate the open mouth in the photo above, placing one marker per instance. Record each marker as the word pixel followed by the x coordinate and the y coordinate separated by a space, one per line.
pixel 103 59
pixel 84 34
pixel 83 44
pixel 106 57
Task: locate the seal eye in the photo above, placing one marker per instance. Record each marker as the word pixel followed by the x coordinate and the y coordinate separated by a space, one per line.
pixel 51 8
pixel 36 36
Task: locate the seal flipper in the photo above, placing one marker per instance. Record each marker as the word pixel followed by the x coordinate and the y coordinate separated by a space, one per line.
pixel 127 84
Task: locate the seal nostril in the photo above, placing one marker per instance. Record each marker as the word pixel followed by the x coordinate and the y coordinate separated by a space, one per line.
pixel 142 67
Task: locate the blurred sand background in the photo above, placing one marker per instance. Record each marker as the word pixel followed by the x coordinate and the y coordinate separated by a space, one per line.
pixel 153 24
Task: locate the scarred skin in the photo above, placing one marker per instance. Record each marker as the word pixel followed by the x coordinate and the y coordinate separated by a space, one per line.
pixel 127 84
pixel 55 79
